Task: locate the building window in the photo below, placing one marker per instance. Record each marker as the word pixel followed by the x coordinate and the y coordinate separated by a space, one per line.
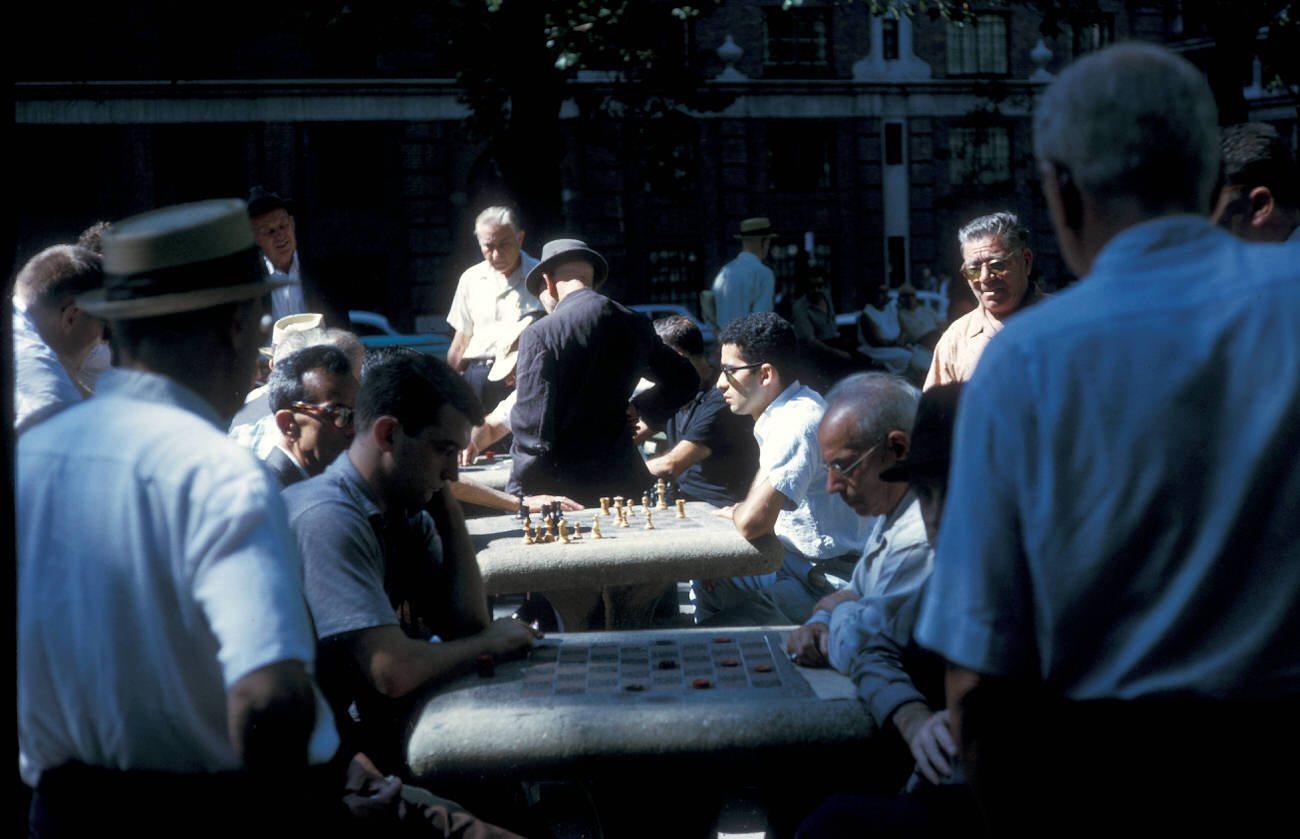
pixel 979 155
pixel 790 261
pixel 889 39
pixel 800 156
pixel 675 276
pixel 797 42
pixel 1091 35
pixel 893 143
pixel 979 47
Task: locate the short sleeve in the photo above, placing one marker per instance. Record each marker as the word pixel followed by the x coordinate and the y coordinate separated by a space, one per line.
pixel 789 460
pixel 459 316
pixel 343 566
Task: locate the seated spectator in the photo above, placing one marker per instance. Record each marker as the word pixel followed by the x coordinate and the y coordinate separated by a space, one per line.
pixel 826 357
pixel 711 451
pixel 881 337
pixel 866 430
pixel 996 261
pixel 312 395
pixel 920 323
pixel 1260 197
pixel 381 576
pixel 901 683
pixel 53 336
pixel 788 497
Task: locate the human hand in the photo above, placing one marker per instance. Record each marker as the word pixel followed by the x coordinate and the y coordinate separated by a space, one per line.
pixel 367 793
pixel 808 645
pixel 468 454
pixel 932 745
pixel 641 432
pixel 725 512
pixel 535 502
pixel 506 635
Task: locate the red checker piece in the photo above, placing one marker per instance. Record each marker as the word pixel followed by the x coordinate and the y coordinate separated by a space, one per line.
pixel 731 662
pixel 762 668
pixel 722 639
pixel 700 684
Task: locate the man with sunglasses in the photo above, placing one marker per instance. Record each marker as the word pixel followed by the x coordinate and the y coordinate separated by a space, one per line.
pixel 312 393
pixel 996 260
pixel 788 496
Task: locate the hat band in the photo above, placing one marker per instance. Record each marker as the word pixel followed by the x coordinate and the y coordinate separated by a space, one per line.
pixel 234 269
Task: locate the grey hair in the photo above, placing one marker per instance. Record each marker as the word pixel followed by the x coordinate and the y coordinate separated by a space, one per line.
pixel 294 341
pixel 877 403
pixel 497 216
pixel 1133 121
pixel 350 344
pixel 1002 225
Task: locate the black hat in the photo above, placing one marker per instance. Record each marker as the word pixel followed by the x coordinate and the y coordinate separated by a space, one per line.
pixel 931 449
pixel 261 201
pixel 178 259
pixel 558 250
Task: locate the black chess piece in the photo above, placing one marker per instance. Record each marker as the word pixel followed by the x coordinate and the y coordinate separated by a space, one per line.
pixel 523 509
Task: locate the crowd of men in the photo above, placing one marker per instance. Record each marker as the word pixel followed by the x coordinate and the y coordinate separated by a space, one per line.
pixel 231 622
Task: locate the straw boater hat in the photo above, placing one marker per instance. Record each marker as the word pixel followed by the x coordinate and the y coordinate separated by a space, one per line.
pixel 508 351
pixel 557 251
pixel 307 322
pixel 756 228
pixel 178 259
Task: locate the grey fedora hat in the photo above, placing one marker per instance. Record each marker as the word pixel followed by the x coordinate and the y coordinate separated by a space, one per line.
pixel 178 259
pixel 557 251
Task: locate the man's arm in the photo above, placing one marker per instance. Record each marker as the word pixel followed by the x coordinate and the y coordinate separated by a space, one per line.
pixel 456 352
pixel 270 715
pixel 467 609
pixel 470 492
pixel 756 515
pixel 678 459
pixel 958 682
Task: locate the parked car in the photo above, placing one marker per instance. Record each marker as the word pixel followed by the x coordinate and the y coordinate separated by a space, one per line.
pixel 655 311
pixel 375 331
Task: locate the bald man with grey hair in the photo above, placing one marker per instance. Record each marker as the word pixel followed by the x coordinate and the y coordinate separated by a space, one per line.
pixel 1116 582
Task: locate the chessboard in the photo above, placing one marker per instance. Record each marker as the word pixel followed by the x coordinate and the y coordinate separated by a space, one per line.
pixel 700 666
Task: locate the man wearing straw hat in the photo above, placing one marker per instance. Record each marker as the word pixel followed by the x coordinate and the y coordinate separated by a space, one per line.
pixel 745 285
pixel 166 647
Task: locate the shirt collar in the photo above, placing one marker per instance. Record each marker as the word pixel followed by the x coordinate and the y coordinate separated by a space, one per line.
pixel 345 474
pixel 293 268
pixel 786 395
pixel 155 387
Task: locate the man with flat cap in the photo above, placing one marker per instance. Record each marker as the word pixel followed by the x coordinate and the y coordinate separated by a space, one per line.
pixel 276 232
pixel 166 648
pixel 745 285
pixel 577 369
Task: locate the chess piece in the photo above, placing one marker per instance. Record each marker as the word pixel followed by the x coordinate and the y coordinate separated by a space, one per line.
pixel 595 528
pixel 645 501
pixel 550 531
pixel 681 508
pixel 528 534
pixel 577 532
pixel 649 525
pixel 564 532
pixel 622 516
pixel 523 509
pixel 604 505
pixel 661 489
pixel 618 502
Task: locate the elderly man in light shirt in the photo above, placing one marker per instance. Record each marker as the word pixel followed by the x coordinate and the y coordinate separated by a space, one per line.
pixel 996 260
pixel 490 299
pixel 745 285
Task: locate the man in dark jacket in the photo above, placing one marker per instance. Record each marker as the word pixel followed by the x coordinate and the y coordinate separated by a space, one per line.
pixel 577 370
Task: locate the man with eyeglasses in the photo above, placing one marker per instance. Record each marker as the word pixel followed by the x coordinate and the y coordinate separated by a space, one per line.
pixel 312 393
pixel 996 260
pixel 865 431
pixel 788 496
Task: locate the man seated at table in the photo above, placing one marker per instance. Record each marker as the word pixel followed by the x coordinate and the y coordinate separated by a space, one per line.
pixel 901 683
pixel 822 538
pixel 312 393
pixel 865 431
pixel 711 451
pixel 381 576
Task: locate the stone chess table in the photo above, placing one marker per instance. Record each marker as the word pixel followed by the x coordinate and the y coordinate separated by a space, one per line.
pixel 581 702
pixel 626 570
pixel 490 473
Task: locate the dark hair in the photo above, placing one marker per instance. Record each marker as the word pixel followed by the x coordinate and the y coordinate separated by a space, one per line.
pixel 284 387
pixel 58 272
pixel 681 333
pixel 413 387
pixel 1254 154
pixel 764 337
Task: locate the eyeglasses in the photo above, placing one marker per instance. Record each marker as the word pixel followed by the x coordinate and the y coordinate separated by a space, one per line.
pixel 997 267
pixel 845 471
pixel 340 415
pixel 730 371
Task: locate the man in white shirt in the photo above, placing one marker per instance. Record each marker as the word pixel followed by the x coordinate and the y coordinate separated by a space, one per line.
pixel 490 299
pixel 53 336
pixel 745 285
pixel 821 536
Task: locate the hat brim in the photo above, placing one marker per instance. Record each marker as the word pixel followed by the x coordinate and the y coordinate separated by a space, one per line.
pixel 502 366
pixel 758 234
pixel 533 282
pixel 95 303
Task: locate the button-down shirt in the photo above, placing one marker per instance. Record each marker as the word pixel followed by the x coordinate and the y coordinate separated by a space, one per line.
pixel 487 305
pixel 42 385
pixel 814 523
pixel 962 343
pixel 286 299
pixel 743 286
pixel 155 570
